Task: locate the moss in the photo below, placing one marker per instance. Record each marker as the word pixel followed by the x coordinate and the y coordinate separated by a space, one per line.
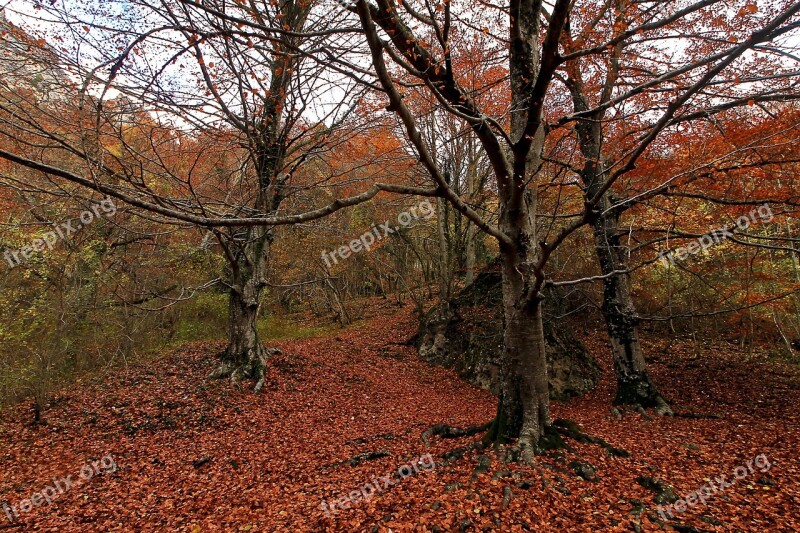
pixel 275 327
pixel 497 431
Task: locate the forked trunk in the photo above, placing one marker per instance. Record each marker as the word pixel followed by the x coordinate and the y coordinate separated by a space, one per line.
pixel 634 386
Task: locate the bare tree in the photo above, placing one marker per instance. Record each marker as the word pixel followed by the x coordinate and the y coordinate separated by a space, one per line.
pixel 416 39
pixel 239 74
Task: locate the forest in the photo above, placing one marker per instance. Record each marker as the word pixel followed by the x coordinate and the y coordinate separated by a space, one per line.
pixel 399 265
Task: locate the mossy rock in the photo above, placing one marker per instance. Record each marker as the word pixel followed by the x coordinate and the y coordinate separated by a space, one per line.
pixel 469 339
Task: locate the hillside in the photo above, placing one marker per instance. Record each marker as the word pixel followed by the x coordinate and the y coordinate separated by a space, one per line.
pixel 196 455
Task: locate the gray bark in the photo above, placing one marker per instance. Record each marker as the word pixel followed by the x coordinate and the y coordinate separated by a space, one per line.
pixel 634 386
pixel 245 356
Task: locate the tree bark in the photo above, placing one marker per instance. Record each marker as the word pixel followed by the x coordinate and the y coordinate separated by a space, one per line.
pixel 524 405
pixel 245 356
pixel 470 232
pixel 634 386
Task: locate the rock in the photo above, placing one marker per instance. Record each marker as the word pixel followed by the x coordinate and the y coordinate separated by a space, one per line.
pixel 501 474
pixel 469 339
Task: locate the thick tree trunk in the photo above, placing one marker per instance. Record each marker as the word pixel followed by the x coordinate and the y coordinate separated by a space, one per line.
pixel 634 386
pixel 524 404
pixel 245 356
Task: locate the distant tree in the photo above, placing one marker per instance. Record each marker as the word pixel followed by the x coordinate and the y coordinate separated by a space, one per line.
pixel 243 70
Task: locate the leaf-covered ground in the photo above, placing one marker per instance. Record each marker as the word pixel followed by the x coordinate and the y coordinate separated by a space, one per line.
pixel 197 455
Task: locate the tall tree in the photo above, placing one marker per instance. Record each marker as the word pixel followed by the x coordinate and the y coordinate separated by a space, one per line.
pixel 240 69
pixel 416 38
pixel 602 131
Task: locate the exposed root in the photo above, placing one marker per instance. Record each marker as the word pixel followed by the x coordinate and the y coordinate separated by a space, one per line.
pixel 711 416
pixel 364 457
pixel 639 393
pixel 662 408
pixel 574 431
pixel 639 409
pixel 448 432
pixel 527 448
pixel 250 364
pixel 458 453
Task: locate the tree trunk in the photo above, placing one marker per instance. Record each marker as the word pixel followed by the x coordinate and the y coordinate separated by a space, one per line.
pixel 245 356
pixel 524 405
pixel 470 232
pixel 444 254
pixel 634 386
pixel 470 263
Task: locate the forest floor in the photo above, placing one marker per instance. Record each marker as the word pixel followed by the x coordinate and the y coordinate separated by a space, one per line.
pixel 197 455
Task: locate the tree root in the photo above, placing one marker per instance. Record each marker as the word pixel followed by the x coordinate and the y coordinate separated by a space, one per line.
pixel 664 492
pixel 241 367
pixel 458 453
pixel 361 458
pixel 448 432
pixel 662 408
pixel 574 431
pixel 639 392
pixel 527 448
pixel 659 406
pixel 711 416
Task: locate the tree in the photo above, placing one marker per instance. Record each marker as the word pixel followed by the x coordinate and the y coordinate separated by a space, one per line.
pixel 604 131
pixel 242 70
pixel 416 39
